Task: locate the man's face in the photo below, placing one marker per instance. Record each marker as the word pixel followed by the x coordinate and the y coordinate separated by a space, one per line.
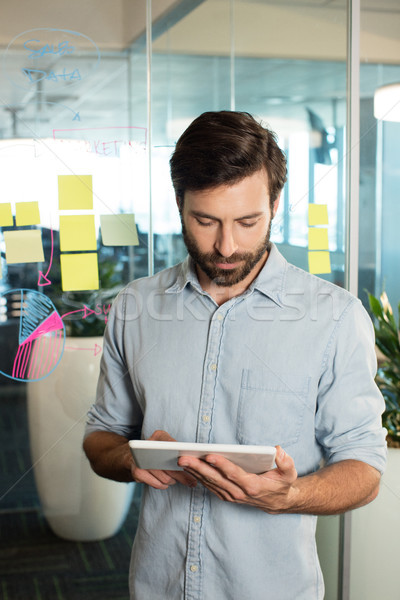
pixel 227 229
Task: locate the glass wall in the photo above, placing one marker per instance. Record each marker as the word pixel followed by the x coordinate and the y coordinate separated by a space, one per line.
pixel 379 147
pixel 227 54
pixel 90 115
pixel 375 527
pixel 75 226
pixel 235 55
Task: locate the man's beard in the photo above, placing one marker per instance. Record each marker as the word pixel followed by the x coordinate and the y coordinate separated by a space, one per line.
pixel 207 260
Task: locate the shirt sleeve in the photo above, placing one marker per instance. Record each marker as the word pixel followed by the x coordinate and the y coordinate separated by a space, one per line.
pixel 116 408
pixel 350 405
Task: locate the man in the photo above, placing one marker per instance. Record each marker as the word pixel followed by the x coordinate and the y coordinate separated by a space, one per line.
pixel 236 346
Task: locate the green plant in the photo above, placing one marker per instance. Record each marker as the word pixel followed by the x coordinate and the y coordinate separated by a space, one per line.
pixel 388 376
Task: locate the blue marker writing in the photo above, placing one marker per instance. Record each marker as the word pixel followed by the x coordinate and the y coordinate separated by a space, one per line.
pixel 61 49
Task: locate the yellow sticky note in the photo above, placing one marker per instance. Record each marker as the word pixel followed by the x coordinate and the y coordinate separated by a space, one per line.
pixel 77 232
pixel 75 192
pixel 27 213
pixel 24 246
pixel 79 272
pixel 319 262
pixel 6 218
pixel 119 230
pixel 318 238
pixel 318 214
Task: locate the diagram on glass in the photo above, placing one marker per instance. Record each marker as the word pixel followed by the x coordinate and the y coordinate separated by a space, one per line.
pixel 37 344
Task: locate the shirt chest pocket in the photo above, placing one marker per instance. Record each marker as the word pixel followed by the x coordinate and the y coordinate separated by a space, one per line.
pixel 270 412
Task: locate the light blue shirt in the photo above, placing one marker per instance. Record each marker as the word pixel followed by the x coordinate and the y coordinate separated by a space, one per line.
pixel 290 362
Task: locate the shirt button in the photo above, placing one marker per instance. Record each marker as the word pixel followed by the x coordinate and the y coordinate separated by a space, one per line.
pixel 219 317
pixel 213 367
pixel 196 519
pixel 194 568
pixel 206 419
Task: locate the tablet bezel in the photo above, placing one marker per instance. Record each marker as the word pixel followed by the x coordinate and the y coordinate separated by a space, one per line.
pixel 162 455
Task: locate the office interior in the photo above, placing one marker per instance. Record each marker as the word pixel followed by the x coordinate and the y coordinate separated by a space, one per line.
pixel 101 90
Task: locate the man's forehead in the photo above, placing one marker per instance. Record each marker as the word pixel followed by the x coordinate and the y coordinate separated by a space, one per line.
pixel 260 174
pixel 249 195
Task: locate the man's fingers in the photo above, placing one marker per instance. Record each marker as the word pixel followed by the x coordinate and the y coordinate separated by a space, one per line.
pixel 216 482
pixel 171 477
pixel 213 471
pixel 184 478
pixel 163 479
pixel 162 476
pixel 231 483
pixel 150 478
pixel 285 465
pixel 161 436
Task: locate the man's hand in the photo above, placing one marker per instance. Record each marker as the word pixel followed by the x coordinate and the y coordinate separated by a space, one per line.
pixel 157 479
pixel 270 491
pixel 110 456
pixel 334 489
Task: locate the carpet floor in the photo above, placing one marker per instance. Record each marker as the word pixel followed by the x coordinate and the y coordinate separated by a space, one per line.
pixel 35 564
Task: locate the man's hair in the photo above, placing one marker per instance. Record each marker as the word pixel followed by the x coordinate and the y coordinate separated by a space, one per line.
pixel 222 148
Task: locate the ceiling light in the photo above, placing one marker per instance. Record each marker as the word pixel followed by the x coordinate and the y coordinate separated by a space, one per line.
pixel 387 102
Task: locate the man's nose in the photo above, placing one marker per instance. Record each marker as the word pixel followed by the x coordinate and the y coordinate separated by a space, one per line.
pixel 225 243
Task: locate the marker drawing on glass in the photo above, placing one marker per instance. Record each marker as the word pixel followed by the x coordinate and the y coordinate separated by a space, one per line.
pixel 38 346
pixel 50 57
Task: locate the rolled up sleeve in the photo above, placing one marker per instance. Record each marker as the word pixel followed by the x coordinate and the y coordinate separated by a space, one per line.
pixel 116 408
pixel 350 405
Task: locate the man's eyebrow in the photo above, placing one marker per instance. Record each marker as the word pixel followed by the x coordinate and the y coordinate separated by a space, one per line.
pixel 198 213
pixel 252 216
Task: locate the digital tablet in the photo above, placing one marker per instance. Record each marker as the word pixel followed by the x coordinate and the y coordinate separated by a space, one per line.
pixel 150 454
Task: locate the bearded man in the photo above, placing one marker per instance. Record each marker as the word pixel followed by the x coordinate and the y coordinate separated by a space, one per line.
pixel 235 345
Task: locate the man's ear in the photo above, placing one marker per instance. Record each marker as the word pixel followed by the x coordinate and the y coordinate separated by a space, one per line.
pixel 179 202
pixel 276 206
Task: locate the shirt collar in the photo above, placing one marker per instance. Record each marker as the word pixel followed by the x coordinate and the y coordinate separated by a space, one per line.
pixel 186 275
pixel 270 280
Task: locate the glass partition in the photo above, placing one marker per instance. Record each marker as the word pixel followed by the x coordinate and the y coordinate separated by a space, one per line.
pixel 375 526
pixel 237 54
pixel 226 54
pixel 90 116
pixel 379 176
pixel 74 228
pixel 189 76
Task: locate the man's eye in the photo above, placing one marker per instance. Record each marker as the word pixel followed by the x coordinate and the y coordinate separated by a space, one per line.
pixel 247 224
pixel 204 223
